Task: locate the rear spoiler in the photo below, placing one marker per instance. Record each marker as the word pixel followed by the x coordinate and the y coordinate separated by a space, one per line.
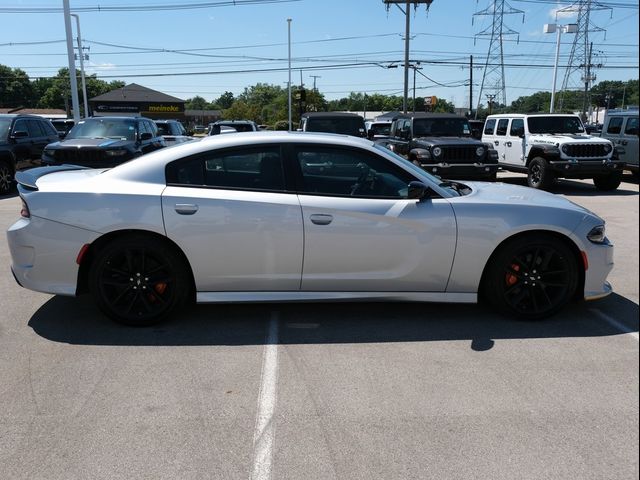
pixel 28 178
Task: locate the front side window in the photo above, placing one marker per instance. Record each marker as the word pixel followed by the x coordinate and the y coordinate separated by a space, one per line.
pixel 349 172
pixel 615 125
pixel 517 127
pixel 34 129
pixel 20 126
pixel 632 126
pixel 247 168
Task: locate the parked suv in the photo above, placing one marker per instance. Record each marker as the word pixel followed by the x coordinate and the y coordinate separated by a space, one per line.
pixel 238 125
pixel 333 122
pixel 22 139
pixel 441 143
pixel 621 127
pixel 172 131
pixel 102 142
pixel 550 146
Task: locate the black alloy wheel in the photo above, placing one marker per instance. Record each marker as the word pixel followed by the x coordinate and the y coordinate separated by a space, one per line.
pixel 608 182
pixel 539 175
pixel 6 178
pixel 532 277
pixel 138 281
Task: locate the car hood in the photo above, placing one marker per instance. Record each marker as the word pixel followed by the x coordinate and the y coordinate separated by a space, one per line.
pixel 449 141
pixel 565 137
pixel 507 194
pixel 89 143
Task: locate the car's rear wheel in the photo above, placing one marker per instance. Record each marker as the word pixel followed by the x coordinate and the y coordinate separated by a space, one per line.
pixel 539 175
pixel 6 177
pixel 138 280
pixel 532 276
pixel 608 182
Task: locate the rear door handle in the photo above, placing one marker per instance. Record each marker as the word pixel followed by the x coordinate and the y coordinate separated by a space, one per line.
pixel 508 144
pixel 186 208
pixel 321 219
pixel 496 143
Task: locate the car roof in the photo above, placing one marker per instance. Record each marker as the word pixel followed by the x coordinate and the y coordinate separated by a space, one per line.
pixel 21 115
pixel 428 115
pixel 523 115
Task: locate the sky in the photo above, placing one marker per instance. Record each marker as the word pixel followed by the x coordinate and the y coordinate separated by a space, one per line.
pixel 340 46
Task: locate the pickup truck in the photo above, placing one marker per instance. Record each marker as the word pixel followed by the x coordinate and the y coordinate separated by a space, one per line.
pixel 441 144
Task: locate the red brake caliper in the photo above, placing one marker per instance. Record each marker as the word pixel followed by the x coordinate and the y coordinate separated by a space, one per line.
pixel 510 278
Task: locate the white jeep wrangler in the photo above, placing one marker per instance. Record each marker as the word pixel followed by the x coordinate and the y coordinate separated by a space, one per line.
pixel 550 146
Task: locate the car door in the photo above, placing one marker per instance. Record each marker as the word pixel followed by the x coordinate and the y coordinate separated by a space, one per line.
pixel 513 144
pixel 361 231
pixel 230 212
pixel 23 143
pixel 629 141
pixel 500 140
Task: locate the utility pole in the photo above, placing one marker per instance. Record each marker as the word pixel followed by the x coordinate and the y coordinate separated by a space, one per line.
pixel 314 80
pixel 471 85
pixel 490 97
pixel 72 62
pixel 81 55
pixel 289 82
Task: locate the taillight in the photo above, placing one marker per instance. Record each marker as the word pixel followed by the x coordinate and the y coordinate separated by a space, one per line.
pixel 24 210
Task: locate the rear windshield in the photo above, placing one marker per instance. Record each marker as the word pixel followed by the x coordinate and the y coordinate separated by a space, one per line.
pixel 344 125
pixel 568 124
pixel 239 127
pixel 104 128
pixel 380 128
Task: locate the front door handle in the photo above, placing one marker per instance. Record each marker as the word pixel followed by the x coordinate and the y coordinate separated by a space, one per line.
pixel 321 219
pixel 186 208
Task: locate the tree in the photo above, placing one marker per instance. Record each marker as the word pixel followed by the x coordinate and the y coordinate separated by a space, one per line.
pixel 196 103
pixel 15 87
pixel 224 101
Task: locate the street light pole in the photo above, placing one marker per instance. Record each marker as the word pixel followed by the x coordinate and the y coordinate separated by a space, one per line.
pixel 289 83
pixel 72 63
pixel 406 57
pixel 81 55
pixel 559 29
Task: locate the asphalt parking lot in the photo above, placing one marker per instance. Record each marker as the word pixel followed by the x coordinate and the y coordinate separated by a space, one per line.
pixel 326 391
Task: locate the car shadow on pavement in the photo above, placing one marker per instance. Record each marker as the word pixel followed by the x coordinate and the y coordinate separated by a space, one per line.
pixel 571 187
pixel 76 321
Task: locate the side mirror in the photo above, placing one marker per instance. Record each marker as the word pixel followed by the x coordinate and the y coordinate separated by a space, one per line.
pixel 370 134
pixel 145 136
pixel 20 134
pixel 418 191
pixel 362 133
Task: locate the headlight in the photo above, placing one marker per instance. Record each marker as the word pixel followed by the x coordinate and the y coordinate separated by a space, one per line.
pixel 436 151
pixel 565 148
pixel 479 151
pixel 49 153
pixel 597 235
pixel 115 153
pixel 608 148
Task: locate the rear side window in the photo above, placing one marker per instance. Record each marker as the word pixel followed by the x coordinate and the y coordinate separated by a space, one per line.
pixel 34 128
pixel 615 125
pixel 258 168
pixel 502 126
pixel 488 127
pixel 48 128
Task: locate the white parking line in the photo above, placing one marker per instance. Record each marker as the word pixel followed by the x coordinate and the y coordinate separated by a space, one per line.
pixel 612 321
pixel 264 433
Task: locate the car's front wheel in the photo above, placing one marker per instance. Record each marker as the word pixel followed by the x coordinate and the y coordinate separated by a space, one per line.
pixel 532 276
pixel 6 177
pixel 608 182
pixel 539 175
pixel 138 280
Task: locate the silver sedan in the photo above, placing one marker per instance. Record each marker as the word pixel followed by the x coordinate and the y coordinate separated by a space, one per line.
pixel 278 216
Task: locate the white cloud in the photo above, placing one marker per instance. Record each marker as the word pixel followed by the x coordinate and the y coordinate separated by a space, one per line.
pixel 560 15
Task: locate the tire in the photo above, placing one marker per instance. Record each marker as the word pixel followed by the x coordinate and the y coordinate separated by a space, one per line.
pixel 138 280
pixel 539 175
pixel 532 277
pixel 608 182
pixel 6 177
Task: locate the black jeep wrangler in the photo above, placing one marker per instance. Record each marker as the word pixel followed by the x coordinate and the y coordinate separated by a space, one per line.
pixel 441 143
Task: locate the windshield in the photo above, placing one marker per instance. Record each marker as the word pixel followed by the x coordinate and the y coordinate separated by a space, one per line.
pixel 559 124
pixel 441 127
pixel 420 173
pixel 5 125
pixel 104 128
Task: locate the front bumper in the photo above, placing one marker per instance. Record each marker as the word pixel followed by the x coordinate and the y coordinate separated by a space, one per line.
pixel 600 260
pixel 586 168
pixel 461 170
